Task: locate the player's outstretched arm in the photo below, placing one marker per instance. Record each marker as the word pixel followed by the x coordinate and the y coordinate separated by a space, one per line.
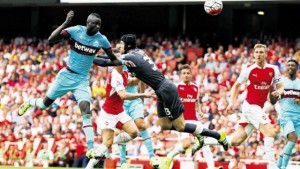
pixel 56 34
pixel 130 96
pixel 103 62
pixel 117 61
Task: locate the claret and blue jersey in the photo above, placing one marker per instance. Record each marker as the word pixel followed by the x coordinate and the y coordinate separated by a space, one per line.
pixel 83 48
pixel 291 91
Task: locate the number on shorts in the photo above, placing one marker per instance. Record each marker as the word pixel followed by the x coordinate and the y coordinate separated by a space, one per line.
pixel 168 113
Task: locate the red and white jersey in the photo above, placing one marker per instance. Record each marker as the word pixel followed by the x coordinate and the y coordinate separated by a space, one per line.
pixel 188 95
pixel 259 81
pixel 116 82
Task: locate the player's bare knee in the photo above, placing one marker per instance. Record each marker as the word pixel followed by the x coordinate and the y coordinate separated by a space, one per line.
pixel 141 125
pixel 185 146
pixel 186 143
pixel 107 144
pixel 134 133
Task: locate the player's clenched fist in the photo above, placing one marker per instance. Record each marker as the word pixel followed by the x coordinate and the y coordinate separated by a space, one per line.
pixel 70 16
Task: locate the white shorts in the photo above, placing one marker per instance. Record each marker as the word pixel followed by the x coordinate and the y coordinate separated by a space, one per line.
pixel 110 121
pixel 252 116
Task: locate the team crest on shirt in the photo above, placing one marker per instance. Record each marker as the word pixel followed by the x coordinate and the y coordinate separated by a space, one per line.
pixel 271 74
pixel 80 36
pixel 96 43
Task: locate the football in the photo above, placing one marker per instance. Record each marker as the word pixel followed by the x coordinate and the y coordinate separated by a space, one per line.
pixel 213 7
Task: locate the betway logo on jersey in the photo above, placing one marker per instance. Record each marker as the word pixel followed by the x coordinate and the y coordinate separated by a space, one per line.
pixel 291 93
pixel 83 49
pixel 263 86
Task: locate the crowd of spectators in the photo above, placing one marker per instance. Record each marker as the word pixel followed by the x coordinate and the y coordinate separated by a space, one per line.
pixel 54 136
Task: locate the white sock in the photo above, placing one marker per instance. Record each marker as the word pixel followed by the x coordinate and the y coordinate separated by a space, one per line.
pixel 122 138
pixel 208 155
pixel 102 149
pixel 177 150
pixel 213 141
pixel 269 150
pixel 199 128
pixel 91 163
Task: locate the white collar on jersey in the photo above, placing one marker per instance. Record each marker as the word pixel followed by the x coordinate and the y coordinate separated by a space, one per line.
pixel 261 67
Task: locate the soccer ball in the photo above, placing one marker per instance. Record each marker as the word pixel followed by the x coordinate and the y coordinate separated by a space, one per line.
pixel 213 7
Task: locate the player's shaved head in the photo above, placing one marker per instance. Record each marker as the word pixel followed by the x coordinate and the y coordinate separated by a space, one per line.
pixel 95 15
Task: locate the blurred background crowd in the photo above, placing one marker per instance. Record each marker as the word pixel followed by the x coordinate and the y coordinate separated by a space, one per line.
pixel 55 135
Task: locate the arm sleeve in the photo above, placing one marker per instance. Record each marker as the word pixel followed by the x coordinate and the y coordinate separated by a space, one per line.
pixel 277 76
pixel 117 81
pixel 69 32
pixel 105 43
pixel 243 76
pixel 103 56
pixel 103 62
pixel 112 56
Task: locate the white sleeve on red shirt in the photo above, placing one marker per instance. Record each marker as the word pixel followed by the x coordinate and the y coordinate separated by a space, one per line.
pixel 243 76
pixel 277 76
pixel 117 81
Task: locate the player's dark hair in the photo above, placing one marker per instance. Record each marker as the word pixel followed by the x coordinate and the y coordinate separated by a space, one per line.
pixel 96 15
pixel 130 41
pixel 295 61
